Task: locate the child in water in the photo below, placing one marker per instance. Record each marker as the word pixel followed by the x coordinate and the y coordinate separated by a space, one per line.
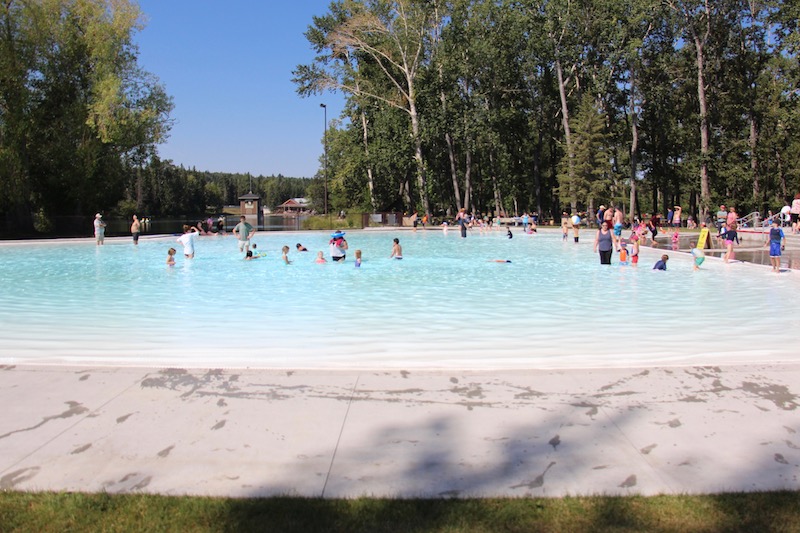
pixel 662 263
pixel 256 254
pixel 397 250
pixel 358 258
pixel 320 258
pixel 623 254
pixel 699 256
pixel 171 257
pixel 285 256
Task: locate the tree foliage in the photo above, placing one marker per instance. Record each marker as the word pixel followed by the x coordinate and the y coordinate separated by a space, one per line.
pixel 533 105
pixel 76 111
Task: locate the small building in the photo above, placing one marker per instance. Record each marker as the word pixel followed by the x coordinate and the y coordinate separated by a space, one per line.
pixel 250 205
pixel 294 207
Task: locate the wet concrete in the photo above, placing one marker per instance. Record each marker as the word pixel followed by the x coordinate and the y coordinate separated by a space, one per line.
pixel 247 432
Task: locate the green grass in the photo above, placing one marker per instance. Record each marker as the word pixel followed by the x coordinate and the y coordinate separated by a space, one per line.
pixel 65 512
pixel 333 222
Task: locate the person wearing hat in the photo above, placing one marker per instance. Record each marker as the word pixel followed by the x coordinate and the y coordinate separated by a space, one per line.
pixel 600 214
pixel 338 246
pixel 99 229
pixel 722 216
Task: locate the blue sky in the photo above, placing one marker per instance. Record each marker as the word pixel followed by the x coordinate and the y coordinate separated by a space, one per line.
pixel 228 67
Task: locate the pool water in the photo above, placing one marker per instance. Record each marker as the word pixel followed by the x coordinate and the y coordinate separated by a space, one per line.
pixel 446 304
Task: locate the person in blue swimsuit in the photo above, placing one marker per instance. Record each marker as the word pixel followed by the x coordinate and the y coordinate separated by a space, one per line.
pixel 662 263
pixel 777 243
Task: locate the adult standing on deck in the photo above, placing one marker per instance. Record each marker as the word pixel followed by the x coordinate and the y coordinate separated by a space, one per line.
pixel 244 232
pixel 722 216
pixel 676 217
pixel 604 242
pixel 136 229
pixel 652 225
pixel 99 230
pixel 732 217
pixel 794 212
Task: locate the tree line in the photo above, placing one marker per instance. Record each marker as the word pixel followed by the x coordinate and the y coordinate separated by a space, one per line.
pixel 507 106
pixel 80 122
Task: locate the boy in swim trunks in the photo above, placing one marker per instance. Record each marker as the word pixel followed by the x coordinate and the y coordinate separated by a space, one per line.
pixel 397 250
pixel 777 243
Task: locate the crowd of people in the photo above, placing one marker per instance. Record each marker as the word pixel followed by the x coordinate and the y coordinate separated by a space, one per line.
pixel 608 238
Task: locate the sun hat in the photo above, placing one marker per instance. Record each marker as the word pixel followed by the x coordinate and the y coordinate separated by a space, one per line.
pixel 337 234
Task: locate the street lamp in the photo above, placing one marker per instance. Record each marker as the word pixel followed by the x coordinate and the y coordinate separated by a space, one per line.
pixel 325 160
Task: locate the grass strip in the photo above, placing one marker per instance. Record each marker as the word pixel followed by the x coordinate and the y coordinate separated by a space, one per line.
pixel 68 512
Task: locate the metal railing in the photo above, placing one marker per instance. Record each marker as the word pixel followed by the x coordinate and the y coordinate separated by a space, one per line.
pixel 752 220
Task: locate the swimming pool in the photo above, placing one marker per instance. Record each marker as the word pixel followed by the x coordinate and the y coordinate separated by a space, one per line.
pixel 445 305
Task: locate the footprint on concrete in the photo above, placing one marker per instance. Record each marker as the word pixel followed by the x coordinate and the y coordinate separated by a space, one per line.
pixel 165 452
pixel 647 449
pixel 628 483
pixel 81 449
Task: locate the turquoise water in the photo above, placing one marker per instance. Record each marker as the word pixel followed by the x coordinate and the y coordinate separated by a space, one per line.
pixel 446 304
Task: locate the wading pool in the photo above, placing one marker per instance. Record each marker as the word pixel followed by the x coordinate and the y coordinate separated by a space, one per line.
pixel 446 304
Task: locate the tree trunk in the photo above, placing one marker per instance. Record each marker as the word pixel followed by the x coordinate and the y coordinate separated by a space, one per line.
pixel 754 159
pixel 370 177
pixel 421 179
pixel 634 146
pixel 468 181
pixel 705 190
pixel 451 152
pixel 562 91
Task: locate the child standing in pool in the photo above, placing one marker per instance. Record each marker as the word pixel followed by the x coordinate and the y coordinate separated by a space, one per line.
pixel 171 256
pixel 320 258
pixel 662 263
pixel 777 243
pixel 285 256
pixel 358 258
pixel 730 237
pixel 634 250
pixel 699 256
pixel 397 250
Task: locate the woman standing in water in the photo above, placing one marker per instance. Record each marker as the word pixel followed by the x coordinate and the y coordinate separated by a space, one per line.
pixel 604 242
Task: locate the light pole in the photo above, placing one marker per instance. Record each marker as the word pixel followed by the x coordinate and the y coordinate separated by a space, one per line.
pixel 325 160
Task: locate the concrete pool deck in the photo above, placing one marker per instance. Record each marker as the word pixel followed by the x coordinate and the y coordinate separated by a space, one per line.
pixel 444 433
